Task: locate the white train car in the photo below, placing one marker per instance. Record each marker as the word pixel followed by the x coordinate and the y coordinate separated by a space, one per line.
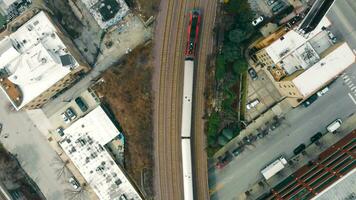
pixel 187 169
pixel 186 129
pixel 187 99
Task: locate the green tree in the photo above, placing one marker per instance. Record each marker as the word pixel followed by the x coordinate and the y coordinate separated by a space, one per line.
pixel 240 66
pixel 237 36
pixel 231 52
pixel 220 67
pixel 237 6
pixel 213 125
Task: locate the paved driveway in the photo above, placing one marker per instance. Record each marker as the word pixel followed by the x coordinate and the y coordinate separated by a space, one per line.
pixel 300 124
pixel 32 149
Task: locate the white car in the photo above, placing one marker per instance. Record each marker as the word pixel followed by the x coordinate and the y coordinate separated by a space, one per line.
pixel 334 126
pixel 65 118
pixel 257 21
pixel 252 104
pixel 323 91
pixel 74 183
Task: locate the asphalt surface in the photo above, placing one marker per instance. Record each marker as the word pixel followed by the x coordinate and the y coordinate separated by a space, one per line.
pixel 300 124
pixel 21 137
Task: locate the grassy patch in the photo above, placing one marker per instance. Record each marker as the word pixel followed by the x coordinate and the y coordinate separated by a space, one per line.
pixel 243 96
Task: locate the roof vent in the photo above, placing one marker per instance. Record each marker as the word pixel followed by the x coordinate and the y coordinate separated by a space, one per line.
pixel 282 38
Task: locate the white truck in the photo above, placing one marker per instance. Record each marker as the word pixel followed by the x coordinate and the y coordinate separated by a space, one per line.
pixel 333 126
pixel 273 168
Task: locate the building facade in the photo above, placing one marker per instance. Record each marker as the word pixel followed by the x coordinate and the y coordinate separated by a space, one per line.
pixel 303 64
pixel 37 62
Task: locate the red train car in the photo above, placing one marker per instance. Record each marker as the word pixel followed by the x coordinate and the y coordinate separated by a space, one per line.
pixel 193 33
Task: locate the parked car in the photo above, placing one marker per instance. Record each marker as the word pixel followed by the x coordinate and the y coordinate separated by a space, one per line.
pixel 81 104
pixel 316 137
pixel 74 183
pixel 238 150
pixel 323 91
pixel 270 2
pixel 252 73
pixel 257 21
pixel 331 36
pixel 333 126
pixel 299 149
pixel 65 118
pixel 223 161
pixel 252 104
pixel 60 131
pixel 310 100
pixel 71 114
pixel 277 7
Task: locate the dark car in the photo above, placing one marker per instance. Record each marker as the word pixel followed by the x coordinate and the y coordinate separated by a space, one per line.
pixel 238 150
pixel 316 137
pixel 310 100
pixel 81 104
pixel 299 149
pixel 223 161
pixel 252 73
pixel 278 7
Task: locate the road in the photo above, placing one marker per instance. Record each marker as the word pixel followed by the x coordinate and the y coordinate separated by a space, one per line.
pixel 170 38
pixel 33 150
pixel 301 123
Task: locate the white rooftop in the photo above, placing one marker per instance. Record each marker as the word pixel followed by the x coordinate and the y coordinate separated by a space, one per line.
pixel 343 189
pixel 31 56
pixel 291 41
pixel 325 70
pixel 274 168
pixel 94 5
pixel 83 143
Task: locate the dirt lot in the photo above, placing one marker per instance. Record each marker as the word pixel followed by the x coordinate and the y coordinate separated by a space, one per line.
pixel 127 90
pixel 146 8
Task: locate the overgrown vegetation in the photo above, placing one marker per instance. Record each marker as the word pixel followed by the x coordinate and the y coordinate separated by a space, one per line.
pixel 127 90
pixel 230 75
pixel 145 8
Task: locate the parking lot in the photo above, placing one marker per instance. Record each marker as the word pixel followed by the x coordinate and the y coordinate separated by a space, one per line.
pixel 264 91
pixel 89 99
pixel 268 8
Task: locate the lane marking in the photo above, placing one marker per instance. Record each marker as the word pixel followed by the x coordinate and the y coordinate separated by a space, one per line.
pixel 352 98
pixel 348 81
pixel 345 77
pixel 351 85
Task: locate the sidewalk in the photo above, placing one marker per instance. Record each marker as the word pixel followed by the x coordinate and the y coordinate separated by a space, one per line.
pixel 311 153
pixel 278 110
pixel 44 126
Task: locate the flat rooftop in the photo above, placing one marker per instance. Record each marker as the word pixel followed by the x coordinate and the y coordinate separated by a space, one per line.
pixel 292 40
pixel 330 176
pixel 345 188
pixel 325 70
pixel 107 12
pixel 84 143
pixel 32 58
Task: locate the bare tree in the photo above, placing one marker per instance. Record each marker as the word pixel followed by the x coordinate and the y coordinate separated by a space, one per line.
pixel 60 167
pixel 82 193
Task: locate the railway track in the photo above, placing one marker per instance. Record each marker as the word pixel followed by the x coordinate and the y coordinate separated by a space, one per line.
pixel 169 100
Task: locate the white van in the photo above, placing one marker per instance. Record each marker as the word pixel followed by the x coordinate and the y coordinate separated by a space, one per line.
pixel 334 125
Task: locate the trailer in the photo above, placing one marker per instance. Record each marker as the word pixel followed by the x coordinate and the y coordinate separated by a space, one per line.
pixel 273 168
